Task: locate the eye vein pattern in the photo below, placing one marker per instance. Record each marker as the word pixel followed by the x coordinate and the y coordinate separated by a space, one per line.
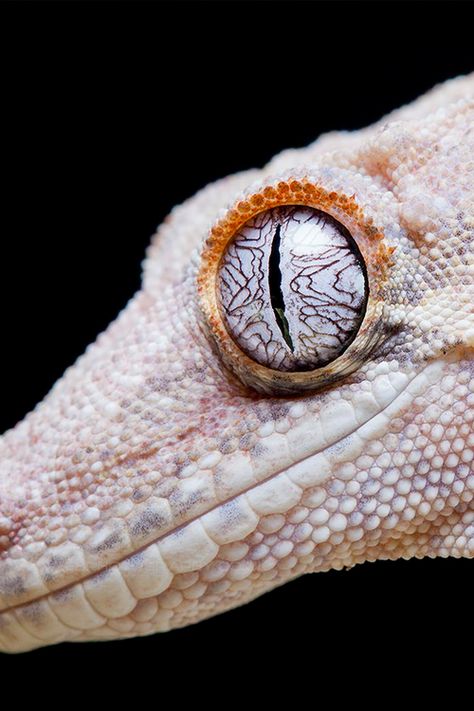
pixel 293 288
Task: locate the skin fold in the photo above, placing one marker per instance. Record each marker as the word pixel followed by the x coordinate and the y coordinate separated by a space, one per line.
pixel 167 477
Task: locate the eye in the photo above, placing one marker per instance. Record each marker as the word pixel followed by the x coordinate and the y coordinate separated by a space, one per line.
pixel 294 285
pixel 292 288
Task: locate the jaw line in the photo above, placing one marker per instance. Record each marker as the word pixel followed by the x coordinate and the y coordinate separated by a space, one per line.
pixel 404 395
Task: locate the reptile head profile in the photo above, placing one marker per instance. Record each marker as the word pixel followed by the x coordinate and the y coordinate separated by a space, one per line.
pixel 291 391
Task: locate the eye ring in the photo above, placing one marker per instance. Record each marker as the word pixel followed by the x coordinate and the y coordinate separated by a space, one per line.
pixel 376 256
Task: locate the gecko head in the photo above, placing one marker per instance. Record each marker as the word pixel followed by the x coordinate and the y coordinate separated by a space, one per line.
pixel 291 391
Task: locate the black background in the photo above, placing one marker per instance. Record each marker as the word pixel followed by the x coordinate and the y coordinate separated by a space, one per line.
pixel 110 116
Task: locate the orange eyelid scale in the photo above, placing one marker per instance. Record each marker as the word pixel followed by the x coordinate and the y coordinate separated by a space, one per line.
pixel 377 255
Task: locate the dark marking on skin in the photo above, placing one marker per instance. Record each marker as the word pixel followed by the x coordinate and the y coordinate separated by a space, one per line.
pixel 165 487
pixel 229 515
pixel 180 462
pixel 109 543
pixel 33 613
pixel 135 560
pixel 63 595
pixel 14 585
pixel 228 445
pixel 271 411
pixel 56 561
pixel 338 447
pixel 181 504
pixel 258 451
pixel 140 494
pixel 146 522
pixel 248 441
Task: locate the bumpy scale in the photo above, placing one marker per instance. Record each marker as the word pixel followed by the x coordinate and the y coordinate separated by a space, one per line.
pixel 171 475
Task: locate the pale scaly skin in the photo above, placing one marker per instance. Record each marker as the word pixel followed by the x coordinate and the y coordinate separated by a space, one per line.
pixel 152 489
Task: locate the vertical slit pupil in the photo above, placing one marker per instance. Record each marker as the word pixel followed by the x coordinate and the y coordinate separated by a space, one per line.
pixel 276 294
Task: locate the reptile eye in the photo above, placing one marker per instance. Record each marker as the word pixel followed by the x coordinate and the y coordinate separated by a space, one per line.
pixel 283 286
pixel 292 288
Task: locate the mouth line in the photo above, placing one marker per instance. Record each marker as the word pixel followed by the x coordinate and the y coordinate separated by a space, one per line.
pixel 221 503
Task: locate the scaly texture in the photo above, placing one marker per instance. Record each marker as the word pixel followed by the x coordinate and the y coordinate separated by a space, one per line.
pixel 153 487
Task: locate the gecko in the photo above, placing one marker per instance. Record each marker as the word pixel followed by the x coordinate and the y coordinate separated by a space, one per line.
pixel 291 391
